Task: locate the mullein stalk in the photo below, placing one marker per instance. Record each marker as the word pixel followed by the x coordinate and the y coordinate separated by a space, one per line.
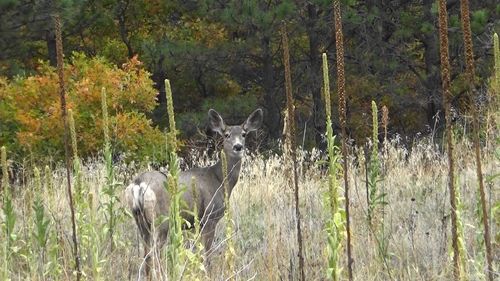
pixel 469 58
pixel 292 143
pixel 62 93
pixel 335 226
pixel 339 43
pixel 385 121
pixel 110 188
pixel 229 254
pixel 42 222
pixel 496 53
pixel 5 173
pixel 495 96
pixel 48 188
pixel 446 84
pixel 374 168
pixel 76 160
pixel 196 261
pixel 86 223
pixel 9 216
pixel 175 247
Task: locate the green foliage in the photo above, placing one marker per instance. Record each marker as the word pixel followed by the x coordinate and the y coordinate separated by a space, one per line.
pixel 9 219
pixel 335 225
pixel 111 186
pixel 30 107
pixel 496 63
pixel 479 20
pixel 376 198
pixel 41 221
pixel 229 254
pixel 176 253
pixel 376 194
pixel 5 171
pixel 236 106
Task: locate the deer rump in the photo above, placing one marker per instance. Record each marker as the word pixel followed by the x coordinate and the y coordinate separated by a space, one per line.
pixel 149 202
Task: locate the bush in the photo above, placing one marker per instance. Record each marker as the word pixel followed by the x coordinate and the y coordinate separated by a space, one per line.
pixel 30 109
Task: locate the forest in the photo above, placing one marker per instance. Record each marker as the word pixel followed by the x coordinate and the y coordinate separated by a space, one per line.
pixel 227 55
pixel 372 135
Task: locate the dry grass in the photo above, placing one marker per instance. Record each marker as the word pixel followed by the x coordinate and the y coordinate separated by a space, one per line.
pixel 417 219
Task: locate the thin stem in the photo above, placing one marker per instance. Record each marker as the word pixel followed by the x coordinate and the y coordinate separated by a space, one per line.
pixel 291 135
pixel 62 93
pixel 445 77
pixel 339 42
pixel 469 58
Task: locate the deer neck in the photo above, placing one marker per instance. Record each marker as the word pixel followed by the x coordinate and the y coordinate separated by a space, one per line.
pixel 233 172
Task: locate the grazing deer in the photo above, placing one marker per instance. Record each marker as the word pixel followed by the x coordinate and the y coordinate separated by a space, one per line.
pixel 148 199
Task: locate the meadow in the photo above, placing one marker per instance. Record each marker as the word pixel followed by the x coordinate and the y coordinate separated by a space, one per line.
pixel 417 209
pixel 416 220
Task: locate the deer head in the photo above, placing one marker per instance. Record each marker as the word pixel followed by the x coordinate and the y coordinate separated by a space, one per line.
pixel 234 136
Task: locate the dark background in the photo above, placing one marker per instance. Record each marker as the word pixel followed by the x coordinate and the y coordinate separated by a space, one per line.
pixel 228 55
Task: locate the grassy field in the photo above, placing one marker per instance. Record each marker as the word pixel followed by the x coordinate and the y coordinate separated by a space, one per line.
pixel 416 220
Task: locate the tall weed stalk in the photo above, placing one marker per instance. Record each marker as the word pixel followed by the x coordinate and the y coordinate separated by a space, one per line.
pixel 335 226
pixel 446 85
pixel 175 248
pixel 339 44
pixel 40 232
pixel 376 197
pixel 87 225
pixel 110 187
pixel 9 220
pixel 62 93
pixel 470 71
pixel 291 137
pixel 229 254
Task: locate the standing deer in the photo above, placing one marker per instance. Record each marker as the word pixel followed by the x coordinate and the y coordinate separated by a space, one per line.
pixel 148 199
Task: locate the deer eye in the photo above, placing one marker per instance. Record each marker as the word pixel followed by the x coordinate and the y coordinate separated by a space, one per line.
pixel 244 134
pixel 227 134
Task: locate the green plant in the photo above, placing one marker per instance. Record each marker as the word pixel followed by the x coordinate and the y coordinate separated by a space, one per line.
pixel 196 269
pixel 335 226
pixel 471 73
pixel 229 254
pixel 5 172
pixel 111 185
pixel 496 53
pixel 339 44
pixel 9 215
pixel 446 82
pixel 77 171
pixel 41 224
pixel 376 197
pixel 290 111
pixel 175 241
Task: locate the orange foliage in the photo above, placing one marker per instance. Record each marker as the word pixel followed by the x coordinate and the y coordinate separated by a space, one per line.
pixel 35 108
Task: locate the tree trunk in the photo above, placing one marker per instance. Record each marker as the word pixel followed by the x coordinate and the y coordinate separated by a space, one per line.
pixel 158 78
pixel 315 75
pixel 431 58
pixel 50 39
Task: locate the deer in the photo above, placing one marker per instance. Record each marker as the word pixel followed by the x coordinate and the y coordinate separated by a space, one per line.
pixel 148 199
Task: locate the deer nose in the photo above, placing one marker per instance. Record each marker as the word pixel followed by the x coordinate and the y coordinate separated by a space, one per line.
pixel 238 147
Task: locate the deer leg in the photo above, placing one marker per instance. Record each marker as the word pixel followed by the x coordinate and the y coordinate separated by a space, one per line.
pixel 147 258
pixel 207 236
pixel 145 231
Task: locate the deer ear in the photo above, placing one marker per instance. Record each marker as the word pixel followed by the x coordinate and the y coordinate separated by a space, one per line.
pixel 216 122
pixel 254 121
